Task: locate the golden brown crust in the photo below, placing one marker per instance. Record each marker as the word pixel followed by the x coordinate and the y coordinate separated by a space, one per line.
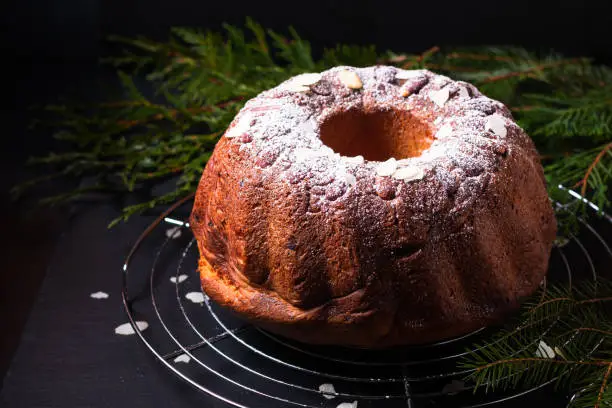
pixel 380 261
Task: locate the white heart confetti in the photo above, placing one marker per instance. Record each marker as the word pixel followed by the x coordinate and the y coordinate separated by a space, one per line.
pixel 440 96
pixel 174 232
pixel 328 390
pixel 387 168
pixel 183 358
pixel 181 278
pixel 195 297
pixel 126 329
pixel 497 125
pixel 409 173
pixel 544 351
pixel 99 295
pixel 347 405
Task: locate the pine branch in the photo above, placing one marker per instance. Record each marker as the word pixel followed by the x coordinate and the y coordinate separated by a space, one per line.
pixel 563 335
pixel 202 79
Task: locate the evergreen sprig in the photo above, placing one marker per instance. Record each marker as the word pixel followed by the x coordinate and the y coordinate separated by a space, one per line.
pixel 202 79
pixel 564 336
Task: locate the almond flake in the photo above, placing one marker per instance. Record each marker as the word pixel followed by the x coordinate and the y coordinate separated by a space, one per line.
pixel 386 168
pixel 238 129
pixel 307 79
pixel 497 125
pixel 559 352
pixel 179 279
pixel 183 358
pixel 453 387
pixel 328 390
pixel 174 232
pixel 195 297
pixel 298 88
pixel 409 173
pixel 444 132
pixel 126 329
pixel 99 295
pixel 463 93
pixel 350 79
pixel 440 96
pixel 544 351
pixel 347 405
pixel 407 74
pixel 354 160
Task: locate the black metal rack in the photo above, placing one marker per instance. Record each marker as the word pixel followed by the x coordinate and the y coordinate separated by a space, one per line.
pixel 247 367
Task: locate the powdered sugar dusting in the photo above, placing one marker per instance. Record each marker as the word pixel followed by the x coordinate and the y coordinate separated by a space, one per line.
pixel 444 132
pixel 285 130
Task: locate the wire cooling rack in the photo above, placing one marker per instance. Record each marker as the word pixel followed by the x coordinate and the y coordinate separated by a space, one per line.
pixel 247 367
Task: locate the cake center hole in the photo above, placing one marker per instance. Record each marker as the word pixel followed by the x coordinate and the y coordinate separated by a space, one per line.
pixel 376 135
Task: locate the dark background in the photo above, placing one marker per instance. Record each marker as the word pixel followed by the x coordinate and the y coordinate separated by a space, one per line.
pixel 52 48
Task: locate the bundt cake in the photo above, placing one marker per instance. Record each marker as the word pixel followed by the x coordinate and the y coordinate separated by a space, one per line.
pixel 372 207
